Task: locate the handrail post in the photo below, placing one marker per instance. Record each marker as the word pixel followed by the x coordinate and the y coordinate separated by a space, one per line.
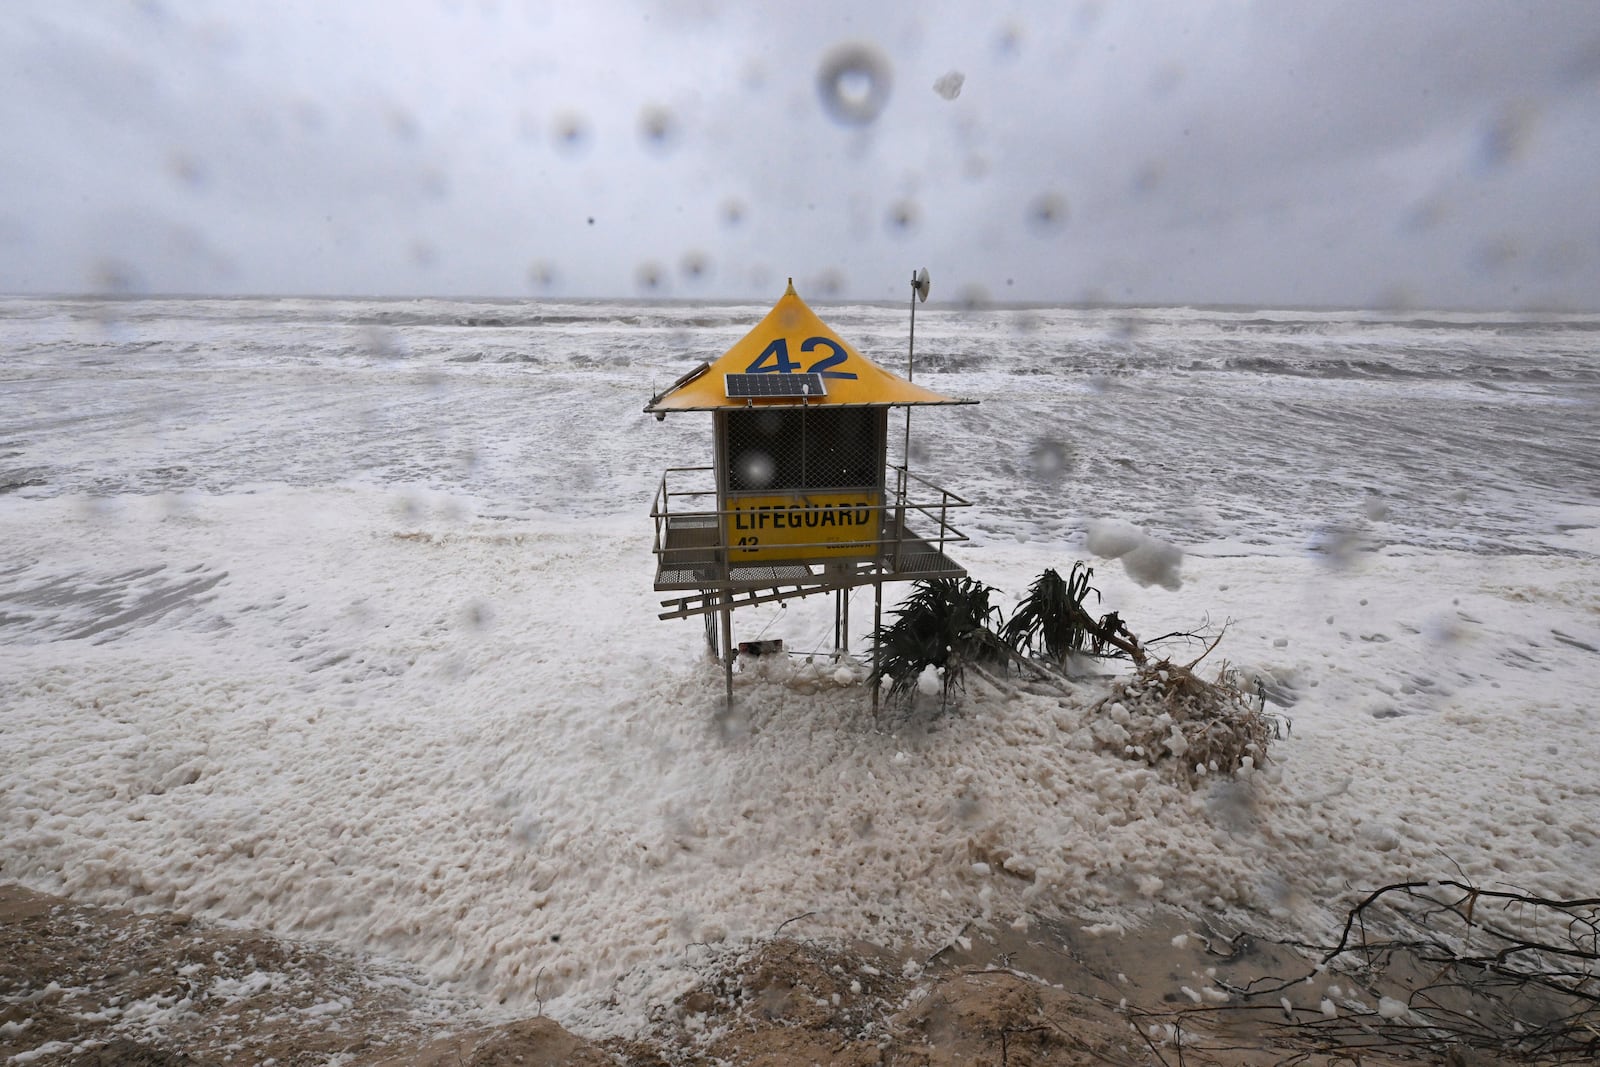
pixel 944 501
pixel 900 510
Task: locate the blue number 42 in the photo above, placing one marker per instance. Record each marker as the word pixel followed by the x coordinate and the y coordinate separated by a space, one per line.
pixel 774 359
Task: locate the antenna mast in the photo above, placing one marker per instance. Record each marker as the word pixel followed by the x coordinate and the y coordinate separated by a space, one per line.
pixel 919 292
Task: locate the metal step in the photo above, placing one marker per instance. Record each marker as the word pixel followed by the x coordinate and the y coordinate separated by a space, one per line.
pixel 705 602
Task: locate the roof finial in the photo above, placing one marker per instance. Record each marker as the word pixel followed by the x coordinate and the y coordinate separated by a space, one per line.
pixel 790 291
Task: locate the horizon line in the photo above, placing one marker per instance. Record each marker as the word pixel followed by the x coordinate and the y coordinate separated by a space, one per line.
pixel 987 305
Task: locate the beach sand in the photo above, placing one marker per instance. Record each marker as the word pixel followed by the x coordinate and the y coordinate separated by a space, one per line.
pixel 85 985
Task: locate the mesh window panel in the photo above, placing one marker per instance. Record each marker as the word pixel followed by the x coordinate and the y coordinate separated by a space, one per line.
pixel 787 449
pixel 842 449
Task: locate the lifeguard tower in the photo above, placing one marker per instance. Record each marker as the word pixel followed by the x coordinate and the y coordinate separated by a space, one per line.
pixel 800 497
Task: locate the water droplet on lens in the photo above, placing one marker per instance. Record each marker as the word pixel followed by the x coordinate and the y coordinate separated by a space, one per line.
pixel 1051 460
pixel 1047 213
pixel 435 183
pixel 186 170
pixel 1148 179
pixel 541 275
pixel 1165 79
pixel 571 133
pixel 733 211
pixel 696 266
pixel 903 217
pixel 477 616
pixel 949 85
pixel 1395 298
pixel 972 297
pixel 657 128
pixel 1496 254
pixel 1126 328
pixel 829 283
pixel 854 84
pixel 1008 42
pixel 1505 138
pixel 116 277
pixel 1339 545
pixel 382 342
pixel 403 125
pixel 756 470
pixel 650 277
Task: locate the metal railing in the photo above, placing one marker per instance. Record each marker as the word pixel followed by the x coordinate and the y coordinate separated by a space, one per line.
pixel 947 500
pixel 690 536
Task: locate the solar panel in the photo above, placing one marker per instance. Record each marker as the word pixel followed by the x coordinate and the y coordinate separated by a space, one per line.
pixel 746 386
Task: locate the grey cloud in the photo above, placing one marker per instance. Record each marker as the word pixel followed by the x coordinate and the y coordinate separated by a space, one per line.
pixel 1197 152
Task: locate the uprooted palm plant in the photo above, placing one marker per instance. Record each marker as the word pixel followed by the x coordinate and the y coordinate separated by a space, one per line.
pixel 1166 714
pixel 1052 624
pixel 945 623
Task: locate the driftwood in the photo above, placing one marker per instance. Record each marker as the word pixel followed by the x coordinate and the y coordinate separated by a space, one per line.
pixel 1448 972
pixel 1166 714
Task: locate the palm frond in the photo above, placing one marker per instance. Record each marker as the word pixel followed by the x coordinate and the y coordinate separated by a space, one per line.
pixel 944 623
pixel 1051 621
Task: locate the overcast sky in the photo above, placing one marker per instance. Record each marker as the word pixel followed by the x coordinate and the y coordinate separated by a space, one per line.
pixel 1434 153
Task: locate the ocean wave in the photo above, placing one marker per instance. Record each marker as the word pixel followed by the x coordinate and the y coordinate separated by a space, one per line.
pixel 1271 431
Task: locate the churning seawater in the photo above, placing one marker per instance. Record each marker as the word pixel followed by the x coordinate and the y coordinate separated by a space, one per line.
pixel 1265 430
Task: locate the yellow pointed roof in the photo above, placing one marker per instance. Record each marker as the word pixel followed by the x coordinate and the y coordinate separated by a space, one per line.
pixel 792 340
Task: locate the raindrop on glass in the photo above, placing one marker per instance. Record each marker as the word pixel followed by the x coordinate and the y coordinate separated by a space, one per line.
pixel 695 267
pixel 571 133
pixel 657 129
pixel 435 183
pixel 1008 42
pixel 477 616
pixel 115 277
pixel 853 83
pixel 903 218
pixel 972 297
pixel 1505 138
pixel 541 275
pixel 756 470
pixel 1047 214
pixel 381 342
pixel 949 85
pixel 650 277
pixel 1496 254
pixel 1147 179
pixel 186 170
pixel 829 283
pixel 403 125
pixel 1051 460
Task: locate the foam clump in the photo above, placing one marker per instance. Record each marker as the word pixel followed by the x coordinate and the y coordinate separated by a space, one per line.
pixel 1146 559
